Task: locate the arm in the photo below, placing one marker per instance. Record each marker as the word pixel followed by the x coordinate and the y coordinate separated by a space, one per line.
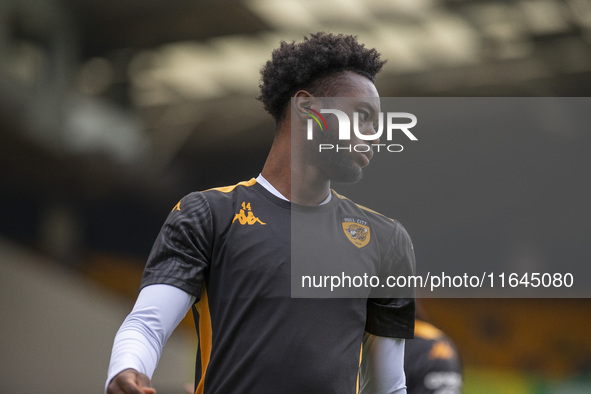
pixel 171 282
pixel 139 342
pixel 389 321
pixel 382 362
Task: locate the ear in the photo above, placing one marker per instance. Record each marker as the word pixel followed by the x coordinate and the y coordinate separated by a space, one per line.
pixel 302 100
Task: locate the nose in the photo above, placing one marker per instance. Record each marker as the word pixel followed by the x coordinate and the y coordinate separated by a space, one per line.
pixel 376 140
pixel 369 130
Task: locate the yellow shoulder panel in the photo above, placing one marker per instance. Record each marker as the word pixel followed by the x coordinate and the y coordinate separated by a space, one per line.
pixel 426 330
pixel 228 189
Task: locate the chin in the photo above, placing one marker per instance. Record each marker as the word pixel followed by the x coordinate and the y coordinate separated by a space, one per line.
pixel 345 173
pixel 338 167
pixel 350 178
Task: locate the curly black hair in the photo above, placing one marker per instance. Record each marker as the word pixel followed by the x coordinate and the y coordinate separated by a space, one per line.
pixel 309 65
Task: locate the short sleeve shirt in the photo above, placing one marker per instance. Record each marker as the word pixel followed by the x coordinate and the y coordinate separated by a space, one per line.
pixel 231 248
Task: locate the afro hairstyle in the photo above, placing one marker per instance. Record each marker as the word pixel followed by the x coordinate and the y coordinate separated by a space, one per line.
pixel 306 65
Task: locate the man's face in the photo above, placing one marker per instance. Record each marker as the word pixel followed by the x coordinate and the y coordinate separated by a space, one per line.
pixel 359 95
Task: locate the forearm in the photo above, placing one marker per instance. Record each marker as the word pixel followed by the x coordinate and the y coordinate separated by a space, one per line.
pixel 382 366
pixel 138 343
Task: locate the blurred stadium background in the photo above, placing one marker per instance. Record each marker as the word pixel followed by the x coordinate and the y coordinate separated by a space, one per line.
pixel 110 111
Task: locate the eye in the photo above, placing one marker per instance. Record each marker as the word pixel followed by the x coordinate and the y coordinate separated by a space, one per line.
pixel 363 115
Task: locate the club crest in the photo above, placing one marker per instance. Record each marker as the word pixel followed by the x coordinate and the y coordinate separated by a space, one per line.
pixel 357 233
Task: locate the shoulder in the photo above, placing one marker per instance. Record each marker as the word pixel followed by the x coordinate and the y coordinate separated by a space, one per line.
pixel 211 197
pixel 220 204
pixel 225 190
pixel 225 194
pixel 431 349
pixel 434 341
pixel 366 211
pixel 427 331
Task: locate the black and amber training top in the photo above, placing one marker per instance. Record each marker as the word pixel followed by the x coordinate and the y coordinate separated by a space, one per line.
pixel 231 248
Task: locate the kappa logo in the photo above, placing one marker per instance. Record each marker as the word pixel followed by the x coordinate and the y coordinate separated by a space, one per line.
pixel 245 218
pixel 356 231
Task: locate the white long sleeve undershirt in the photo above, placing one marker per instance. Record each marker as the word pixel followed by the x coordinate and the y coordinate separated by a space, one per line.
pixel 382 366
pixel 138 343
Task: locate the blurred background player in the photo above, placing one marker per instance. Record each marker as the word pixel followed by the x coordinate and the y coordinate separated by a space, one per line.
pixel 431 362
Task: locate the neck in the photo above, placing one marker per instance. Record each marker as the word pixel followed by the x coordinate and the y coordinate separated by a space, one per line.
pixel 298 181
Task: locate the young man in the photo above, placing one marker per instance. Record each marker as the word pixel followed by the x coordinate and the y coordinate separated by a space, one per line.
pixel 227 253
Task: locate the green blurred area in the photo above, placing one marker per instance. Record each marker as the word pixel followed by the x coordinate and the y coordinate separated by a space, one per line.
pixel 493 381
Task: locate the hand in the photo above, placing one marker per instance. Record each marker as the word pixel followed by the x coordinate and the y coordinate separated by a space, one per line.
pixel 130 381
